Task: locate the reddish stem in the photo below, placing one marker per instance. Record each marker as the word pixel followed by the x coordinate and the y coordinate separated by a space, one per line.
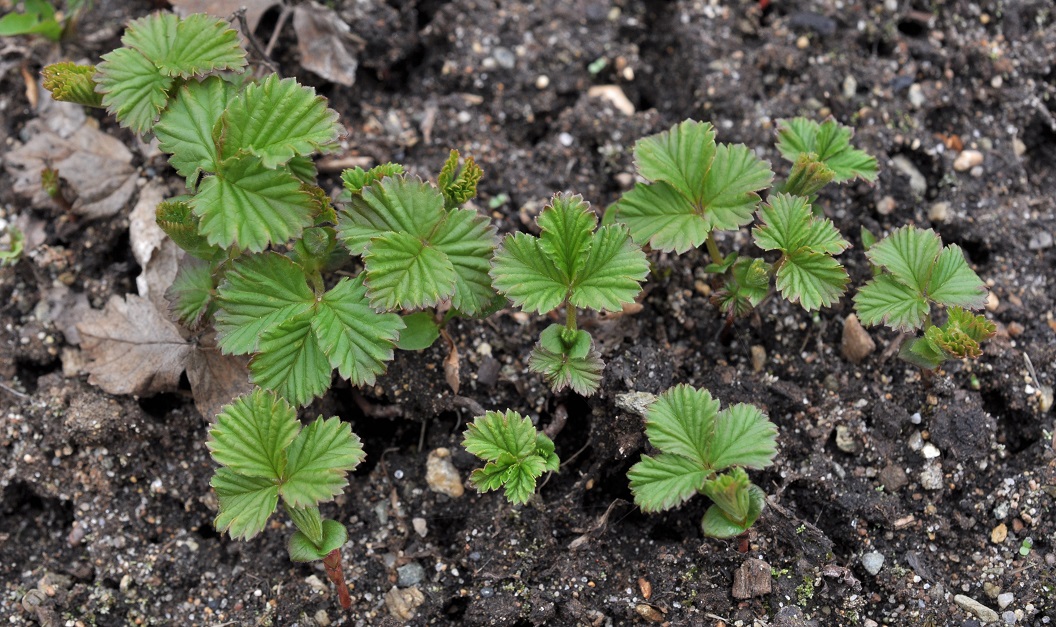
pixel 332 563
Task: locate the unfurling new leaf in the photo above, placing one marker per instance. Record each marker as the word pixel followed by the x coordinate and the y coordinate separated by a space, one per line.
pixel 516 454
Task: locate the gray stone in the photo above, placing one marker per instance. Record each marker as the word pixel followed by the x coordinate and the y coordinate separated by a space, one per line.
pixel 1005 599
pixel 873 562
pixel 969 604
pixel 409 574
pixel 917 183
pixel 1009 618
pixel 1040 241
pixel 893 478
pixel 931 477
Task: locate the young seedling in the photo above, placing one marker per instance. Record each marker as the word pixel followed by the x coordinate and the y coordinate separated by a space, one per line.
pixel 916 270
pixel 516 454
pixel 40 17
pixel 569 265
pixel 698 187
pixel 265 454
pixel 704 450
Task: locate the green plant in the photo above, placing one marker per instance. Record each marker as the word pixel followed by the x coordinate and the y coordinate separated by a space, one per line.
pixel 516 454
pixel 704 450
pixel 264 454
pixel 40 17
pixel 914 270
pixel 698 187
pixel 569 265
pixel 12 243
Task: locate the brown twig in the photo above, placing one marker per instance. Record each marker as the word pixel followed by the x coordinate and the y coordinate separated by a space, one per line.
pixel 240 16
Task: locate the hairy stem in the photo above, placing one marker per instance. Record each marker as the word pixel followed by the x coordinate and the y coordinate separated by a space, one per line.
pixel 713 248
pixel 570 316
pixel 332 564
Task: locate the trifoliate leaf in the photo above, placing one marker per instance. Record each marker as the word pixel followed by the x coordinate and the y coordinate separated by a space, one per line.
pixel 567 364
pixel 403 271
pixel 355 179
pixel 744 288
pixel 185 129
pixel 249 206
pixel 191 292
pixel 885 300
pixel 420 333
pixel 682 422
pixel 718 524
pixel 658 215
pixel 808 176
pixel 276 120
pixel 815 280
pixel 731 184
pixel 393 204
pixel 291 362
pixel 517 454
pixel 665 481
pixel 830 141
pixel 458 186
pixel 680 156
pixel 468 240
pixel 743 436
pixel 246 503
pixel 789 225
pixel 959 338
pixel 357 340
pixel 259 292
pixel 70 82
pixel 321 456
pixel 567 228
pixel 612 272
pixel 909 254
pixel 134 90
pixel 522 271
pixel 192 46
pixel 953 283
pixel 302 549
pixel 251 435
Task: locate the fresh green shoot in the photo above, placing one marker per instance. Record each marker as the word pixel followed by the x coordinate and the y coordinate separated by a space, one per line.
pixel 516 454
pixel 12 244
pixel 38 17
pixel 704 450
pixel 699 187
pixel 264 454
pixel 569 265
pixel 916 270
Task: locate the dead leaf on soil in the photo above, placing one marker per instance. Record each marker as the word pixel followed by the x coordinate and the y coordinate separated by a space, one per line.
pixel 95 168
pixel 158 255
pixel 132 348
pixel 217 379
pixel 326 43
pixel 255 9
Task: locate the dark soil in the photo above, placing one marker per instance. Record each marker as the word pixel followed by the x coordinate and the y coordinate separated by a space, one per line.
pixel 106 511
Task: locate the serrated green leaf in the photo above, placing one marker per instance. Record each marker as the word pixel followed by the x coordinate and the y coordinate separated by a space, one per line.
pixel 308 521
pixel 495 433
pixel 567 370
pixel 978 328
pixel 665 481
pixel 291 362
pixel 403 271
pixel 420 333
pixel 258 292
pixel 250 206
pixel 717 524
pixel 812 279
pixel 953 283
pixel 357 340
pixel 304 169
pixel 789 225
pixel 246 503
pixel 745 287
pixel 191 292
pixel 392 204
pixel 185 129
pixel 612 272
pixel 516 453
pixel 567 232
pixel 886 301
pixel 922 353
pixel 729 491
pixel 458 186
pixel 70 82
pixel 251 435
pixel 355 179
pixel 520 479
pixel 680 156
pixel 134 90
pixel 302 549
pixel 682 422
pixel 658 215
pixel 522 271
pixel 730 188
pixel 468 240
pixel 492 475
pixel 743 436
pixel 276 120
pixel 908 253
pixel 176 218
pixel 830 141
pixel 192 46
pixel 808 176
pixel 319 459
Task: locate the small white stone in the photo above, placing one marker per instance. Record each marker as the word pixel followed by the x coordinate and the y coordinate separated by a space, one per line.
pixel 614 95
pixel 566 139
pixel 939 211
pixel 441 474
pixel 542 81
pixel 967 160
pixel 420 526
pixel 873 562
pixel 930 451
pixel 1005 599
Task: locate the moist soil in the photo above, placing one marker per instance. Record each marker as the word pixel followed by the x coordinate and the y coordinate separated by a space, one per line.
pixel 106 511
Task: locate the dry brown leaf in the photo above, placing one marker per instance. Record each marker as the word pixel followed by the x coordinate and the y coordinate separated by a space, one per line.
pixel 217 379
pixel 326 43
pixel 132 348
pixel 158 255
pixel 451 369
pixel 224 8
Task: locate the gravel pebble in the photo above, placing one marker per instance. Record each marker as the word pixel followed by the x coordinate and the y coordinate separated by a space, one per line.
pixel 969 604
pixel 931 477
pixel 441 474
pixel 967 160
pixel 1040 241
pixel 1005 599
pixel 873 562
pixel 856 344
pixel 409 574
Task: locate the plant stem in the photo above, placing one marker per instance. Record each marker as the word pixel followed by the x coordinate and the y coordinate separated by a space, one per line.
pixel 713 248
pixel 570 316
pixel 332 564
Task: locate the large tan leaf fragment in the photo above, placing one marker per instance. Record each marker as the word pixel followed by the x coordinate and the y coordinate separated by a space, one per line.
pixel 326 43
pixel 217 379
pixel 224 8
